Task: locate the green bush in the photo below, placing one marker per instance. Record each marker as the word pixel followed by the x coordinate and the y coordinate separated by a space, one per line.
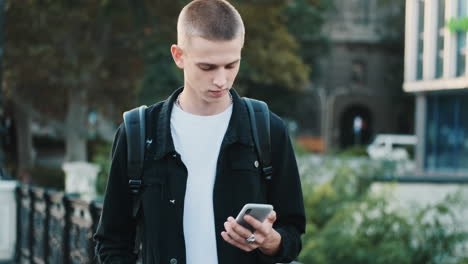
pixel 48 177
pixel 348 224
pixel 299 150
pixel 354 151
pixel 101 157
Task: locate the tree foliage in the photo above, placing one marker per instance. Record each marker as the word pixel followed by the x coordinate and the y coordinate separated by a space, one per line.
pixel 54 47
pixel 270 54
pixel 112 47
pixel 271 58
pixel 305 21
pixel 66 58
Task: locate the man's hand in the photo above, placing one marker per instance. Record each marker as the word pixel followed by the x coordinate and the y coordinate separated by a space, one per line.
pixel 267 239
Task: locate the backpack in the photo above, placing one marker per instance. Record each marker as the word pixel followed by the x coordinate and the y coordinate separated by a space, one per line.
pixel 134 122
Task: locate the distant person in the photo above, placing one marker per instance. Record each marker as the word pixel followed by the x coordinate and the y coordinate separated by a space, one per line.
pixel 201 166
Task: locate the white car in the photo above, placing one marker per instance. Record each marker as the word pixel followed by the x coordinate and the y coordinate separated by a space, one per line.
pixel 392 146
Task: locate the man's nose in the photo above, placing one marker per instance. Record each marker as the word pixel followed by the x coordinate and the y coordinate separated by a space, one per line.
pixel 220 78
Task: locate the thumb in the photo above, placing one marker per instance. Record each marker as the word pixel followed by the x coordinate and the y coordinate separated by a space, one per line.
pixel 272 217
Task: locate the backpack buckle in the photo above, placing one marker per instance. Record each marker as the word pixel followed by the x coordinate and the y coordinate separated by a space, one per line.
pixel 135 186
pixel 267 171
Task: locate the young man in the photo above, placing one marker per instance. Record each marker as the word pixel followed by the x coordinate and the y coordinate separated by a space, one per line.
pixel 200 164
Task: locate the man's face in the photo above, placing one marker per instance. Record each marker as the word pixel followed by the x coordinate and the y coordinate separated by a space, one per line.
pixel 210 67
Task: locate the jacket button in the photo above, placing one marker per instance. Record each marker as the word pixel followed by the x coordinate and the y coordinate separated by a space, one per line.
pixel 173 261
pixel 256 164
pixel 174 156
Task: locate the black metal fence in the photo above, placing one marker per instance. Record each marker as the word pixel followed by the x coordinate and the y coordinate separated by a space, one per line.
pixel 54 227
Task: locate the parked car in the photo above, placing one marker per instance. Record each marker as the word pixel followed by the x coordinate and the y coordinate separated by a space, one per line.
pixel 392 147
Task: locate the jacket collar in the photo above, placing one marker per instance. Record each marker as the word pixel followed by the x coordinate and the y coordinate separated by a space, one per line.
pixel 238 129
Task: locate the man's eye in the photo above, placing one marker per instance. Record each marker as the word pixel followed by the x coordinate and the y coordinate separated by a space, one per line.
pixel 206 68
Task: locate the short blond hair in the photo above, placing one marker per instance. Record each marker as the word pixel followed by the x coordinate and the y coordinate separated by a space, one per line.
pixel 209 19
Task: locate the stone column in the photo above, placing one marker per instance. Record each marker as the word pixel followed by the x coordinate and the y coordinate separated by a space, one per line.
pixel 80 178
pixel 8 216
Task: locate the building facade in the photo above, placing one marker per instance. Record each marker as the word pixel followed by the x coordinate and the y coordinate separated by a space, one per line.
pixel 435 72
pixel 360 76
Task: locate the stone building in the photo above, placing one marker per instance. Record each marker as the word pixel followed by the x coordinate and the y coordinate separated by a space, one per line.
pixel 360 76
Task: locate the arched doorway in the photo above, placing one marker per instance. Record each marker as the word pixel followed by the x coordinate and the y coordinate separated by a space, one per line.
pixel 355 126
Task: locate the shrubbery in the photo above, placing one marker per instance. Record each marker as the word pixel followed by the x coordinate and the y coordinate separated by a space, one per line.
pixel 49 177
pixel 346 223
pixel 101 157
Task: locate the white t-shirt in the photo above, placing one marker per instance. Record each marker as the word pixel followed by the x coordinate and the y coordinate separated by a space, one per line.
pixel 198 141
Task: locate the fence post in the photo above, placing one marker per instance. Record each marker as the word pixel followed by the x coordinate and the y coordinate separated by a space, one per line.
pixel 66 230
pixel 18 224
pixel 56 227
pixel 53 227
pixel 80 231
pixel 96 210
pixel 26 214
pixel 39 226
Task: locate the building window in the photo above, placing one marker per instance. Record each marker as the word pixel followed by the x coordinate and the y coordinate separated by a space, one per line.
pixel 360 12
pixel 366 12
pixel 358 74
pixel 447 133
pixel 461 41
pixel 440 39
pixel 419 64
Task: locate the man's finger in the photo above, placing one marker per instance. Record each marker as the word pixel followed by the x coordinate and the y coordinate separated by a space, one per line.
pixel 257 225
pixel 272 217
pixel 231 241
pixel 233 233
pixel 242 231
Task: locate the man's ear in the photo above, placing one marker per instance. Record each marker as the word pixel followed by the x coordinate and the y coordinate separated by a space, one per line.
pixel 177 53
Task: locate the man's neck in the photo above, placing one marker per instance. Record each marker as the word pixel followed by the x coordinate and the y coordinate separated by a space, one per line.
pixel 193 104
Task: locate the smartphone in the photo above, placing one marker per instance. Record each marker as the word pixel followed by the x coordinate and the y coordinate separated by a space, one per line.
pixel 257 211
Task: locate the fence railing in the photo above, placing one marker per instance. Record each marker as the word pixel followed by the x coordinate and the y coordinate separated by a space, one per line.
pixel 54 227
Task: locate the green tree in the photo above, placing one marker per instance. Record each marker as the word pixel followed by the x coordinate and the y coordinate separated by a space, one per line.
pixel 305 21
pixel 62 58
pixel 272 68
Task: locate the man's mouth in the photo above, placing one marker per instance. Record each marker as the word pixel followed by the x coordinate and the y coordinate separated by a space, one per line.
pixel 218 92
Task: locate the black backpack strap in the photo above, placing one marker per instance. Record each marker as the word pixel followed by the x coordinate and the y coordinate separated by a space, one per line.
pixel 135 130
pixel 260 123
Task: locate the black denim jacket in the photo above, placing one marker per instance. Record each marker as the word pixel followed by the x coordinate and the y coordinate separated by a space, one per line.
pixel 238 181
